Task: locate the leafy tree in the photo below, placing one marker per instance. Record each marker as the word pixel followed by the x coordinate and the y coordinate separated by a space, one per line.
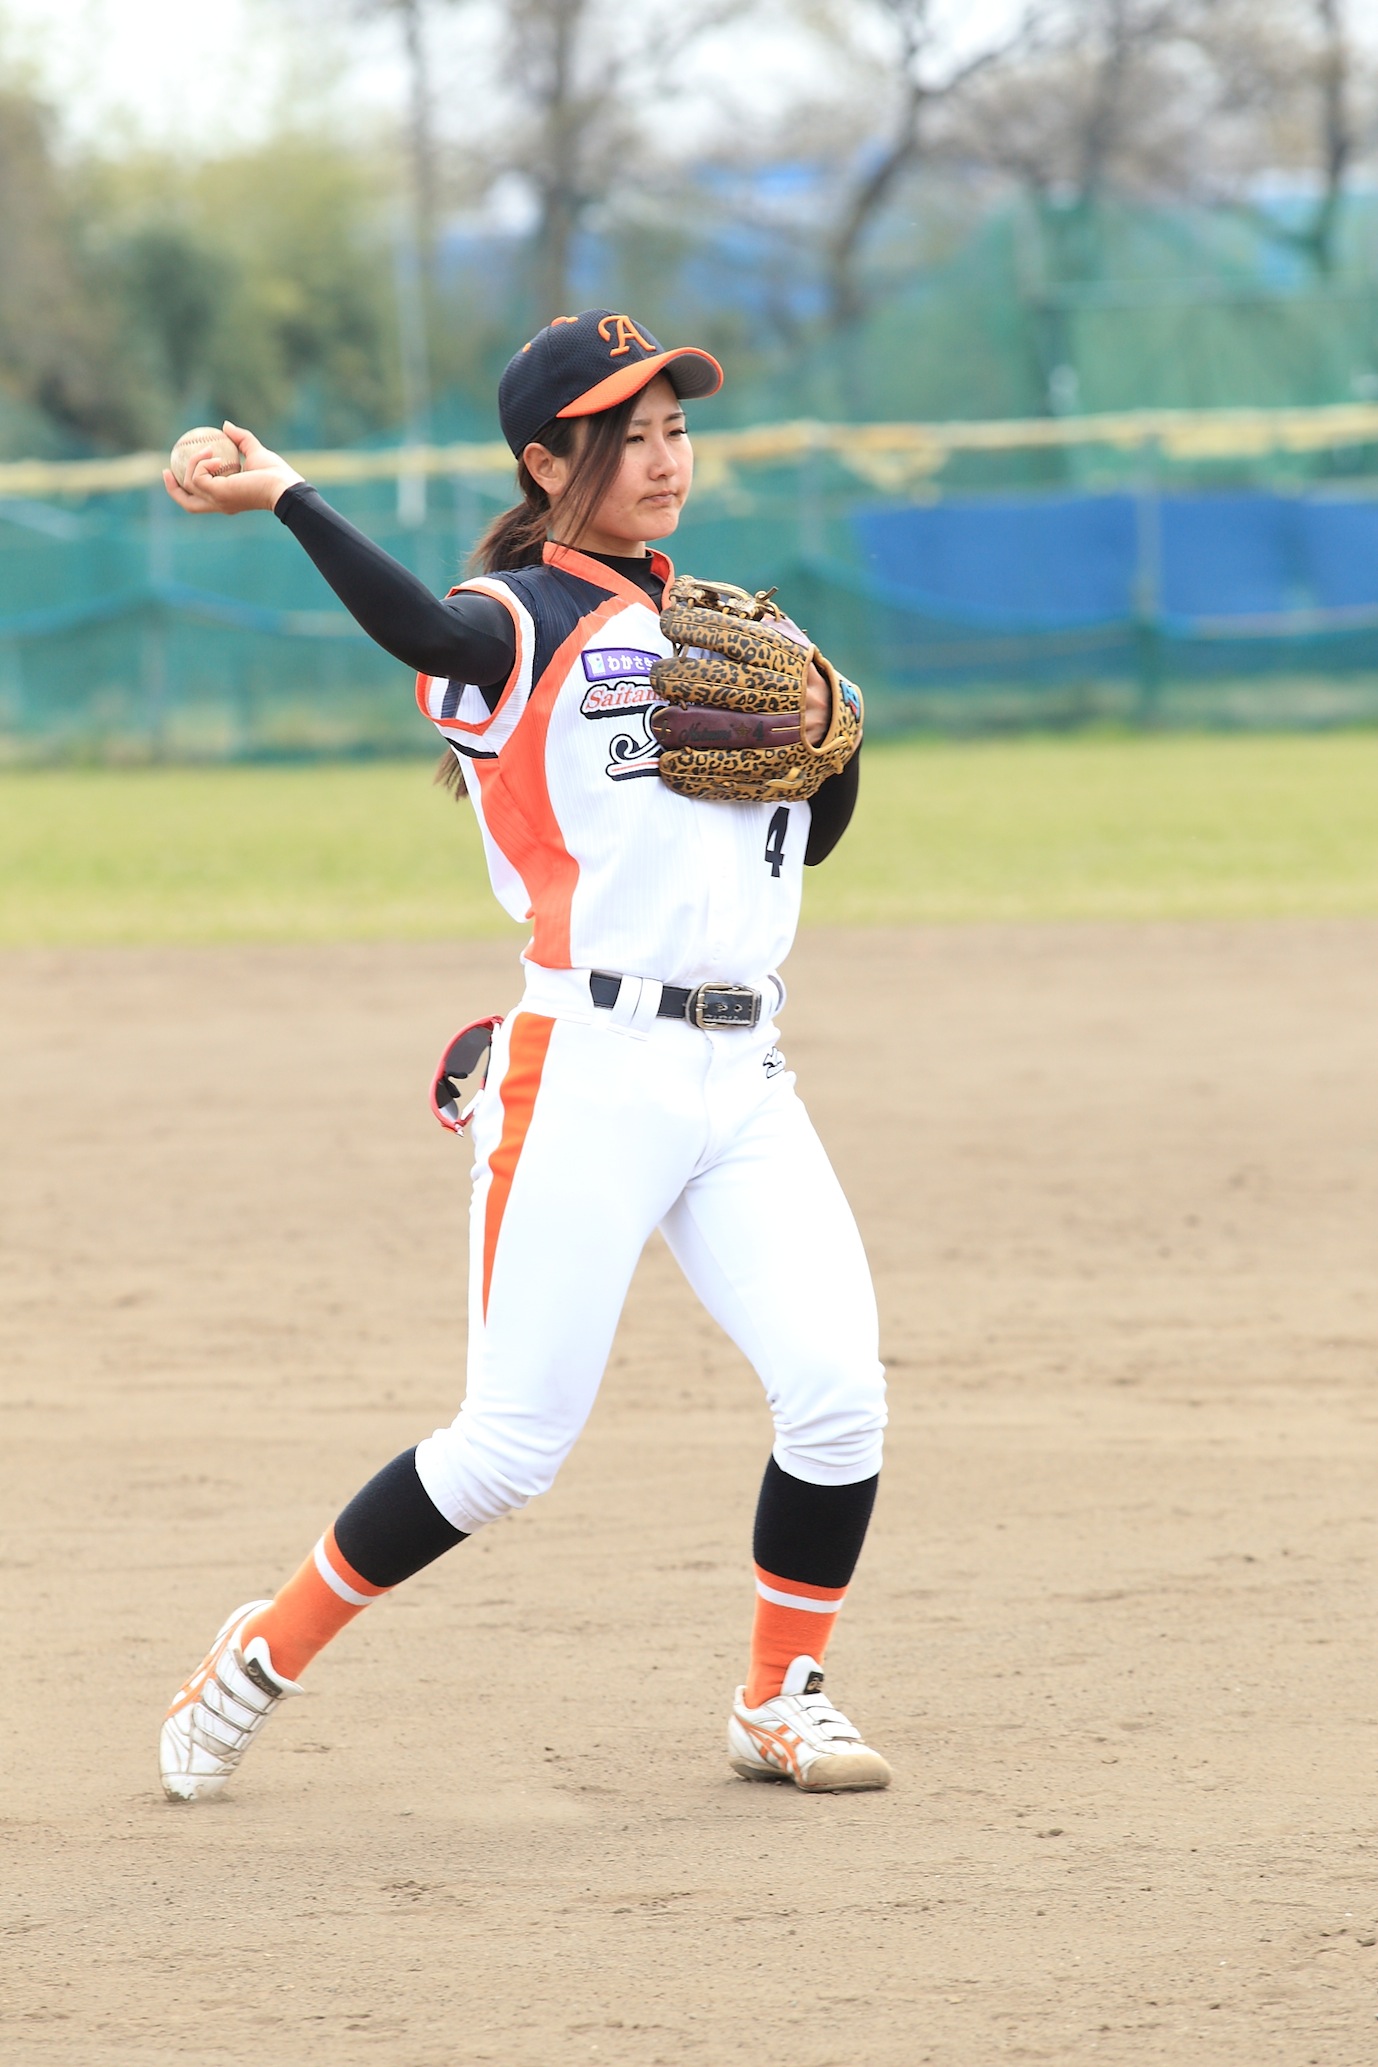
pixel 257 286
pixel 55 356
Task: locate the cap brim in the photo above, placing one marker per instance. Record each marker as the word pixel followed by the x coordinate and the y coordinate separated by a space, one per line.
pixel 691 373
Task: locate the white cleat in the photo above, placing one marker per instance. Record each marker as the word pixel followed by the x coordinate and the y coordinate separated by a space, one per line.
pixel 216 1715
pixel 798 1735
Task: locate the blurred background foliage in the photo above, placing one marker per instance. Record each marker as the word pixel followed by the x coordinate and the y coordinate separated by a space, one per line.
pixel 872 208
pixel 888 211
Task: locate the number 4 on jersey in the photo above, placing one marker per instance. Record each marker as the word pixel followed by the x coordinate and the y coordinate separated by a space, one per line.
pixel 775 839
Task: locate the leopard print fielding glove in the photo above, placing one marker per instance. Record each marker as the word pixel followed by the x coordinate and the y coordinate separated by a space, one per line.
pixel 732 724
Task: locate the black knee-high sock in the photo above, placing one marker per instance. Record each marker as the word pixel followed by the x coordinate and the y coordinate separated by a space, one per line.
pixel 811 1533
pixel 392 1527
pixel 807 1541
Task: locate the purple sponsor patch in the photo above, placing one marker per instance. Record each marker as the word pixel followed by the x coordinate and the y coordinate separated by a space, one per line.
pixel 616 663
pixel 619 687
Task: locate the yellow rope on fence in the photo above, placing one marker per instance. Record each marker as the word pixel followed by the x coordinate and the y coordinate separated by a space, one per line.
pixel 886 455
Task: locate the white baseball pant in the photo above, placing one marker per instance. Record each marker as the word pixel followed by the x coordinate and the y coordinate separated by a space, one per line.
pixel 594 1128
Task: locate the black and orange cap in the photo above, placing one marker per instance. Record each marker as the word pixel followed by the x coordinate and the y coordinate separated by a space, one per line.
pixel 580 364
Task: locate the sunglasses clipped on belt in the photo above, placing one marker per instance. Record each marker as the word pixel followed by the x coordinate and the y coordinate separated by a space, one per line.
pixel 462 1057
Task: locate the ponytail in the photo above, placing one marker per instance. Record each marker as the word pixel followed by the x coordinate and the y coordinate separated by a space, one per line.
pixel 594 443
pixel 518 537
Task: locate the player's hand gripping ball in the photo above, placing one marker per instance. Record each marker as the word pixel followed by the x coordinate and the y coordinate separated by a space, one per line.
pixel 226 457
pixel 733 724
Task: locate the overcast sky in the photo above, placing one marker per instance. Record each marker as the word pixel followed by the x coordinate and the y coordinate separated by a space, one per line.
pixel 213 70
pixel 172 69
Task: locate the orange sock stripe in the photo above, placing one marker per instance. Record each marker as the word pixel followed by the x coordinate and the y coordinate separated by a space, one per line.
pixel 311 1608
pixel 798 1589
pixel 329 1551
pixel 521 1081
pixel 780 1632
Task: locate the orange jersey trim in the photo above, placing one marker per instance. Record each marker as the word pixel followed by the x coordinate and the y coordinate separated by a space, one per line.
pixel 517 806
pixel 521 1081
pixel 423 682
pixel 604 577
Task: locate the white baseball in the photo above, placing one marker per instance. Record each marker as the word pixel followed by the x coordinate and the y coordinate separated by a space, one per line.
pixel 227 458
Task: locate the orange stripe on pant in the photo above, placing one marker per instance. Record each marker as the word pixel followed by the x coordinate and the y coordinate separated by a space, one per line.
pixel 521 1081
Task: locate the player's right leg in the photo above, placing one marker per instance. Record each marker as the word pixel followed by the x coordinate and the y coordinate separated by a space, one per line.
pixel 578 1154
pixel 766 1238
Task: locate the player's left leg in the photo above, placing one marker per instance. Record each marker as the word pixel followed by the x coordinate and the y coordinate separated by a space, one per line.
pixel 554 1239
pixel 765 1236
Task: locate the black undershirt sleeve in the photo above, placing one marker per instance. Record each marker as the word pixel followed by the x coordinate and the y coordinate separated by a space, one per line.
pixel 464 638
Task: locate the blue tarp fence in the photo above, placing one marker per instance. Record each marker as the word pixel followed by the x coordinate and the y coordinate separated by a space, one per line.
pixel 1140 605
pixel 1051 562
pixel 130 631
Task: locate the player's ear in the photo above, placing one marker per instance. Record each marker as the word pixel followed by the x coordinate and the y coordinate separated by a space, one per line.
pixel 546 469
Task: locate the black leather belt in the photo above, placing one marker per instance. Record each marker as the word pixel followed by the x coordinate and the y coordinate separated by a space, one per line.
pixel 710 1004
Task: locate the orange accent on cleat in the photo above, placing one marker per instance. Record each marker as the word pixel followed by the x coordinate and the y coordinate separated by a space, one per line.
pixel 798 1735
pixel 218 1711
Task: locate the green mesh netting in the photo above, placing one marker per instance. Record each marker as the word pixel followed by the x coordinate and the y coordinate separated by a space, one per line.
pixel 128 630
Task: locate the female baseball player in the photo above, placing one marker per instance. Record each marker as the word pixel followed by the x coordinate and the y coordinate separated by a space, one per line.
pixel 636 1084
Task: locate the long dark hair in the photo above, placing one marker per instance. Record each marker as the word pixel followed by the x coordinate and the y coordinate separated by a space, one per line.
pixel 595 445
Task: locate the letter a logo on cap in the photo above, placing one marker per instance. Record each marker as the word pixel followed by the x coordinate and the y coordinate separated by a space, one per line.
pixel 625 330
pixel 580 365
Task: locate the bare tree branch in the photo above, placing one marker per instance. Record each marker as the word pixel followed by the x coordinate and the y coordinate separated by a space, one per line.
pixel 925 83
pixel 582 69
pixel 1296 68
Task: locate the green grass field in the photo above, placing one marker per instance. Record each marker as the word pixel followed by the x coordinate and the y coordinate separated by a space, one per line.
pixel 1086 827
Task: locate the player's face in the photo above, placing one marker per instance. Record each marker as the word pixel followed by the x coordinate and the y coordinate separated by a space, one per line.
pixel 650 489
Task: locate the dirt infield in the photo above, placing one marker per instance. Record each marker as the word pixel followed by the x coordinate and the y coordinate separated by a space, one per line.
pixel 1114 1628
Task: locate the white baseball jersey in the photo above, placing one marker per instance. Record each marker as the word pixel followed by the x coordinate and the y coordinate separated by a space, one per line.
pixel 614 870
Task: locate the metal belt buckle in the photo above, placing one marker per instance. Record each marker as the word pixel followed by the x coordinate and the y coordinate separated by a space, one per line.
pixel 725 1004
